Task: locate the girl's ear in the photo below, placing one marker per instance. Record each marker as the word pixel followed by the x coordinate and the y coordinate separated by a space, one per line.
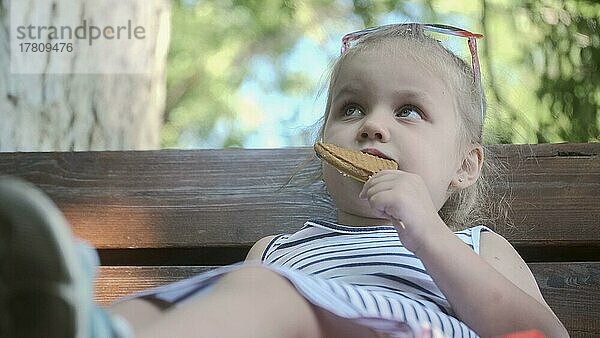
pixel 470 169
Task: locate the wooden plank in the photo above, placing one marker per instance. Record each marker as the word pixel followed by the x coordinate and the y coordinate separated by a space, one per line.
pixel 114 282
pixel 169 198
pixel 231 197
pixel 571 289
pixel 555 193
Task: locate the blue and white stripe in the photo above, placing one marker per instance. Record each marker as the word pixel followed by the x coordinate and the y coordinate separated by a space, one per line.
pixel 369 270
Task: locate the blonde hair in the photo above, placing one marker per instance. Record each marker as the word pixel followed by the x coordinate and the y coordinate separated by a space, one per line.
pixel 474 204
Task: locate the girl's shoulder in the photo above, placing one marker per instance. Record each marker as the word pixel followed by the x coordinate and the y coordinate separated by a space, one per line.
pixel 257 250
pixel 472 236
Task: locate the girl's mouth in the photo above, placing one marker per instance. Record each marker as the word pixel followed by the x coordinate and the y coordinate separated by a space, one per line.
pixel 375 152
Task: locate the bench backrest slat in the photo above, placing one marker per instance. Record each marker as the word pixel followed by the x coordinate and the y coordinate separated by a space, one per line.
pixel 154 199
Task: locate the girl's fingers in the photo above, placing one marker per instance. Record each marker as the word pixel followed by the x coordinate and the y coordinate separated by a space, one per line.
pixel 378 179
pixel 367 193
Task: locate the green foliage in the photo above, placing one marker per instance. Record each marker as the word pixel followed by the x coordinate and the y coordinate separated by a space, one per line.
pixel 569 83
pixel 369 11
pixel 211 45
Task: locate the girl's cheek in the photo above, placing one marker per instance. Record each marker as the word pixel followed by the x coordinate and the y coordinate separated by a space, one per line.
pixel 335 133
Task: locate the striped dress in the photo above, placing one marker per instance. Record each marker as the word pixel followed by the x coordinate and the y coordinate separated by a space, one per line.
pixel 360 273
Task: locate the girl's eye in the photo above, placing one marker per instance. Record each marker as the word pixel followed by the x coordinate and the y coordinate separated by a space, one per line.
pixel 409 112
pixel 351 111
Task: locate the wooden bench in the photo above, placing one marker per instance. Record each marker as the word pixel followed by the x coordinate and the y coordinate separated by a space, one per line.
pixel 158 216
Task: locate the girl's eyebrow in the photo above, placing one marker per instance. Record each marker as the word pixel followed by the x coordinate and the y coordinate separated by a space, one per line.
pixel 348 89
pixel 413 95
pixel 353 89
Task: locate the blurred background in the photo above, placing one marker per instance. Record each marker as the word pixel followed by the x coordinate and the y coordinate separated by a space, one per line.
pixel 249 73
pixel 253 73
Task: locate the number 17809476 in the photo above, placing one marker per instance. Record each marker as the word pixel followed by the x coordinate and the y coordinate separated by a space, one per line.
pixel 48 47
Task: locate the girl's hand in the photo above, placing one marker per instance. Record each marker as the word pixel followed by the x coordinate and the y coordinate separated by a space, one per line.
pixel 399 195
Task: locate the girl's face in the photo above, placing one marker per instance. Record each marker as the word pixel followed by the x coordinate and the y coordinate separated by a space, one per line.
pixel 394 105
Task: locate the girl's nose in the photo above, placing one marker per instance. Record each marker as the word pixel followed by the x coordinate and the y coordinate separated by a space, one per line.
pixel 374 130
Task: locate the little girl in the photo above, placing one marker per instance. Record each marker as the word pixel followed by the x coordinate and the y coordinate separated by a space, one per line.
pixel 395 93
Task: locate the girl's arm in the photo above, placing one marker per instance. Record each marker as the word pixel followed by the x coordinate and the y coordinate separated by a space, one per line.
pixel 500 254
pixel 494 293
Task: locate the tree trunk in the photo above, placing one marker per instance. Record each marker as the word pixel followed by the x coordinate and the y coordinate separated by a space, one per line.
pixel 78 108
